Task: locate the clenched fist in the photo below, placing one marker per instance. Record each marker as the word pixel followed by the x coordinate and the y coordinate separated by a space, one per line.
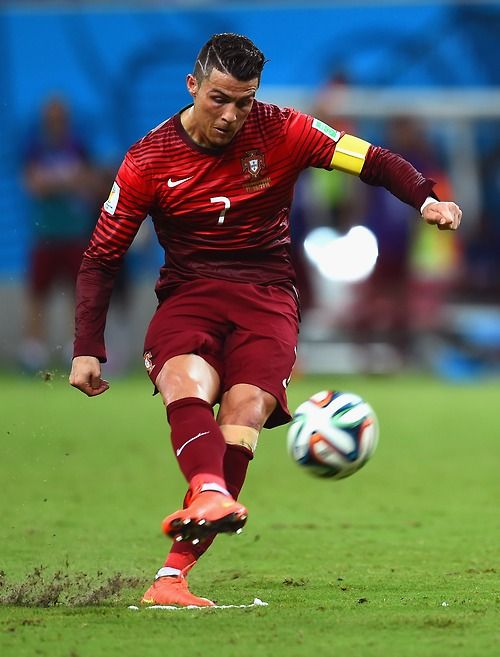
pixel 86 376
pixel 446 215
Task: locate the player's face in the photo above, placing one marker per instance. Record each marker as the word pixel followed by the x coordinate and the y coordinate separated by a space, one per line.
pixel 221 106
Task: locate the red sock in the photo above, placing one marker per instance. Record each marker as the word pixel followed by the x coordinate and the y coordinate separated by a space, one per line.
pixel 183 556
pixel 197 441
pixel 236 462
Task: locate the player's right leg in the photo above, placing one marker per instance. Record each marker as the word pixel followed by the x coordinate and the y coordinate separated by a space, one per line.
pixel 184 555
pixel 189 386
pixel 184 352
pixel 247 408
pixel 209 512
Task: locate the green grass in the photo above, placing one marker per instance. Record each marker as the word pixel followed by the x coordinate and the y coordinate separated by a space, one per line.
pixel 402 559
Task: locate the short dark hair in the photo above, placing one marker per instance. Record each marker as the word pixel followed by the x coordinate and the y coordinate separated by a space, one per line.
pixel 229 53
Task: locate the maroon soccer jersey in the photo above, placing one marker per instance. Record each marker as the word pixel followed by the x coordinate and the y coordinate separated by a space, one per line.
pixel 218 213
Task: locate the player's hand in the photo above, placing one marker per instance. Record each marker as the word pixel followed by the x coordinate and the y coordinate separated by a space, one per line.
pixel 446 215
pixel 86 376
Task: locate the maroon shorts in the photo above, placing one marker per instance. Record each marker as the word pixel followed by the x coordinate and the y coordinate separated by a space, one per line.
pixel 51 263
pixel 247 332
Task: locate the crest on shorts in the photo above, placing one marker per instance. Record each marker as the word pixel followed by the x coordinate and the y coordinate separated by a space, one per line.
pixel 253 163
pixel 148 361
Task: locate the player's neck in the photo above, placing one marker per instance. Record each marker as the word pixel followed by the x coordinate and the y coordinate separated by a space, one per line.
pixel 188 122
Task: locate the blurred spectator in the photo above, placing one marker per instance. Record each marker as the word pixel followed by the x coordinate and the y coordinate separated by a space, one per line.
pixel 299 228
pixel 411 278
pixel 62 185
pixel 321 199
pixel 482 281
pixel 334 201
pixel 328 106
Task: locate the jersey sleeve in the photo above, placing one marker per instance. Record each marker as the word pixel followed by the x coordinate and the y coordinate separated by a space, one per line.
pixel 311 142
pixel 129 202
pixel 314 143
pixel 383 168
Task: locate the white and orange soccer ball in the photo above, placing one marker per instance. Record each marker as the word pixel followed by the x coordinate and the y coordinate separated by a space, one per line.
pixel 333 434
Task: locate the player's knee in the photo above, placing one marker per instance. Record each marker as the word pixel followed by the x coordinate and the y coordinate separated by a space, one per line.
pixel 187 376
pixel 246 405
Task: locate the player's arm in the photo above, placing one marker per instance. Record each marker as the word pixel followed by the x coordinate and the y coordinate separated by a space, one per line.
pixel 379 166
pixel 119 221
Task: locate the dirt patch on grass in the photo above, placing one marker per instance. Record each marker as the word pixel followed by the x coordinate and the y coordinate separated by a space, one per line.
pixel 42 589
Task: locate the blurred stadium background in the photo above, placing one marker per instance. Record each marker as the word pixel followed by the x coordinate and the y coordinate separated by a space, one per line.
pixel 420 78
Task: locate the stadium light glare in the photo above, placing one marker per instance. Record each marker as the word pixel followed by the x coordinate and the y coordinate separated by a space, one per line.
pixel 345 258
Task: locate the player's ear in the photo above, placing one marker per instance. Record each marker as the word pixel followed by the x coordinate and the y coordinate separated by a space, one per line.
pixel 192 84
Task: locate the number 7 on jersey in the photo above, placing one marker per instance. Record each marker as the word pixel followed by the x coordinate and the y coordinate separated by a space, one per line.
pixel 227 205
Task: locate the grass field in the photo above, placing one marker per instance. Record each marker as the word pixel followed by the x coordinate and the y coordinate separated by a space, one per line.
pixel 402 559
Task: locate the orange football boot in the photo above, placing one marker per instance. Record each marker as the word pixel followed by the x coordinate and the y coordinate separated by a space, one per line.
pixel 173 591
pixel 209 512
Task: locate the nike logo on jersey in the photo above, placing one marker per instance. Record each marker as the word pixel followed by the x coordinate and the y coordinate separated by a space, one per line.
pixel 174 183
pixel 198 435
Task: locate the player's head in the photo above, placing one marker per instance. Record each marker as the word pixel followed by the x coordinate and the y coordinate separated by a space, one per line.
pixel 232 54
pixel 223 85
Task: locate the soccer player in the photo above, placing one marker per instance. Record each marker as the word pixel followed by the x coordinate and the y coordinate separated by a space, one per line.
pixel 217 179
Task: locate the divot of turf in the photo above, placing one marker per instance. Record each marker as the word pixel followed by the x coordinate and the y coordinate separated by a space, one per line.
pixel 42 589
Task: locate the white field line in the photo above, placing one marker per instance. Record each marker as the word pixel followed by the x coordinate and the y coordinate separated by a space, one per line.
pixel 256 603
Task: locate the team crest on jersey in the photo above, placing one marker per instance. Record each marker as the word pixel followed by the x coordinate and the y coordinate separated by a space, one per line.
pixel 253 163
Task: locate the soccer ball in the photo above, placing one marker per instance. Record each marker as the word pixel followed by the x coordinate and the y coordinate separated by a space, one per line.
pixel 333 434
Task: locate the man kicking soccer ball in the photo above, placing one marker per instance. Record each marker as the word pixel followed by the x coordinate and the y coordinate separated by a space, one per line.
pixel 217 179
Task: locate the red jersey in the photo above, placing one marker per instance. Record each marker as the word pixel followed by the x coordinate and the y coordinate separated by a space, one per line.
pixel 218 213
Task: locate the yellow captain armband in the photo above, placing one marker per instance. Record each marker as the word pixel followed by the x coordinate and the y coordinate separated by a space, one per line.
pixel 350 154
